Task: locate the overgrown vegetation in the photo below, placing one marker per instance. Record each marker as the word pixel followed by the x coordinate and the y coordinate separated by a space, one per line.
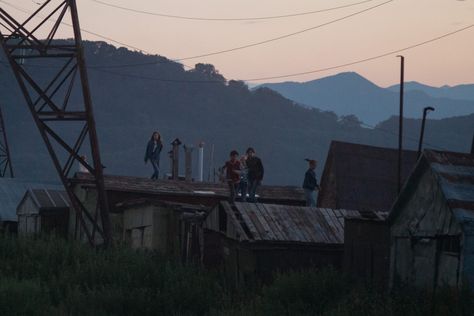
pixel 48 276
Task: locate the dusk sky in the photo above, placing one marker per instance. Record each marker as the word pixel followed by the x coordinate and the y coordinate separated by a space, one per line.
pixel 391 26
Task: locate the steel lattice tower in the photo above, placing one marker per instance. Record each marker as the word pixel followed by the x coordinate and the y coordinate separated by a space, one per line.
pixel 52 76
pixel 5 161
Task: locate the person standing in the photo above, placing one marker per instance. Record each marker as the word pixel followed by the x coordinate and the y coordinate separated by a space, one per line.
pixel 152 153
pixel 232 170
pixel 243 178
pixel 255 173
pixel 310 183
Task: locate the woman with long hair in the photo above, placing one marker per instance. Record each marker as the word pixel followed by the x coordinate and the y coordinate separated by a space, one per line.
pixel 153 150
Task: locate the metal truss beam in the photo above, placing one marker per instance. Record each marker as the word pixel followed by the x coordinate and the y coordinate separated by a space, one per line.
pixel 5 160
pixel 58 114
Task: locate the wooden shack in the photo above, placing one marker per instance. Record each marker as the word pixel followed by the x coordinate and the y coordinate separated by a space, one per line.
pixel 361 177
pixel 249 240
pixel 121 189
pixel 432 223
pixel 367 247
pixel 43 211
pixel 168 228
pixel 12 191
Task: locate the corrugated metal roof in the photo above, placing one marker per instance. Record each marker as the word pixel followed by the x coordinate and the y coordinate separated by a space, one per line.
pixel 11 193
pixel 47 198
pixel 365 177
pixel 148 186
pixel 281 223
pixel 455 175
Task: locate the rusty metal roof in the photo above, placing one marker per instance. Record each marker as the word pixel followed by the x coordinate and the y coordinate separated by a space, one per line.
pixel 455 175
pixel 281 223
pixel 362 177
pixel 173 187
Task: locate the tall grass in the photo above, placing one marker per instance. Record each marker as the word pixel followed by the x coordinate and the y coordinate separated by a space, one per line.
pixel 58 277
pixel 48 276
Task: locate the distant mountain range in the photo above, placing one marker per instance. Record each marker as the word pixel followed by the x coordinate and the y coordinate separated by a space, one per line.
pixel 459 92
pixel 201 105
pixel 351 94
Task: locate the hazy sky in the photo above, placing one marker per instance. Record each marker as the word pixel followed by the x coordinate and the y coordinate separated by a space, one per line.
pixel 389 27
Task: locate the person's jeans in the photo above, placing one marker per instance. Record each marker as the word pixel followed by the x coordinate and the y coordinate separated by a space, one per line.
pixel 243 190
pixel 156 168
pixel 310 197
pixel 233 189
pixel 253 184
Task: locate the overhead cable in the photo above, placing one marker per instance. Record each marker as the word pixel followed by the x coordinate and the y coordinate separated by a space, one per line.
pixel 229 19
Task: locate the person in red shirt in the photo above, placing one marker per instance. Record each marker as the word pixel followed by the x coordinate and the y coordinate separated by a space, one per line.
pixel 232 171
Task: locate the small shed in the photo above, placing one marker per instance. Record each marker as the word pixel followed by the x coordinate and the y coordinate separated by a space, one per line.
pixel 361 177
pixel 251 240
pixel 367 247
pixel 43 211
pixel 169 228
pixel 12 190
pixel 432 223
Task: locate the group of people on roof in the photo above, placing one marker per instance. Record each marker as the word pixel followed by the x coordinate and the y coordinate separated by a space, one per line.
pixel 243 174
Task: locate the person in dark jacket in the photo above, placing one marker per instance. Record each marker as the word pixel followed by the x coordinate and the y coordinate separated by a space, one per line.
pixel 310 183
pixel 153 150
pixel 254 174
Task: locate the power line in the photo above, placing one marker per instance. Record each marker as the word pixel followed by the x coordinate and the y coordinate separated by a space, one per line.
pixel 97 67
pixel 239 47
pixel 257 43
pixel 228 19
pixel 294 74
pixel 365 59
pixel 283 36
pixel 92 33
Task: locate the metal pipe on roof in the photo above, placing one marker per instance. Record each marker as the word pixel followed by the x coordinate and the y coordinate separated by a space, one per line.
pixel 200 162
pixel 188 158
pixel 422 132
pixel 175 159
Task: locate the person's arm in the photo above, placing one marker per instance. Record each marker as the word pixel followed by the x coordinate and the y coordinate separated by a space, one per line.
pixel 314 181
pixel 237 169
pixel 262 170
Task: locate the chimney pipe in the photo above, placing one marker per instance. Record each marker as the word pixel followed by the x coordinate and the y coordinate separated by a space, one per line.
pixel 175 159
pixel 201 162
pixel 188 159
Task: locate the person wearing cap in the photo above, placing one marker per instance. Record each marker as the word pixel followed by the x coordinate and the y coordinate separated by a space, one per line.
pixel 232 170
pixel 254 174
pixel 310 183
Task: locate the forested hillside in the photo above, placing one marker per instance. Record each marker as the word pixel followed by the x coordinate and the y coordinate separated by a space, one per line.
pixel 201 105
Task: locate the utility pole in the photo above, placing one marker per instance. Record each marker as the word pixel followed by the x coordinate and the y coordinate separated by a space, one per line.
pixel 5 160
pixel 47 95
pixel 472 145
pixel 400 124
pixel 422 132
